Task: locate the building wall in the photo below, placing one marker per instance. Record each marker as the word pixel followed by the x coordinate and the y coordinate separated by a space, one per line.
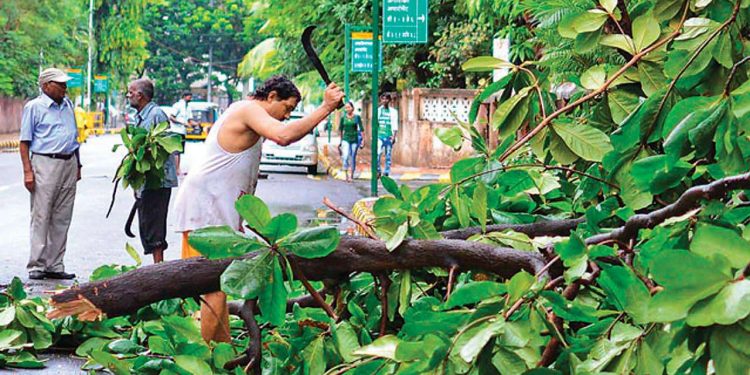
pixel 11 110
pixel 421 111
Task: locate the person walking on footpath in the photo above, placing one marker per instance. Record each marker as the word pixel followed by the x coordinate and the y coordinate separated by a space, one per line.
pixel 351 135
pixel 387 130
pixel 51 170
pixel 153 203
pixel 229 168
pixel 179 122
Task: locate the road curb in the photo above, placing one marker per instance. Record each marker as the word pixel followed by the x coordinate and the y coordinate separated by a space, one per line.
pixel 335 171
pixel 9 146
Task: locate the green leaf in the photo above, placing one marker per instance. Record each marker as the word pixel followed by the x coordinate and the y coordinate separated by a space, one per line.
pixel 346 340
pixel 479 205
pixel 694 27
pixel 272 300
pixel 722 51
pixel 646 31
pixel 710 239
pixel 313 242
pixel 383 347
pixel 727 344
pixel 222 242
pixel 585 141
pixel 589 21
pixel 474 345
pixel 159 345
pixel 182 329
pixel 485 64
pixel 390 185
pixel 222 353
pixel 253 210
pixel 511 113
pixel 111 363
pixel 659 173
pixel 451 137
pixel 7 336
pixel 171 143
pixel 7 315
pixel 608 5
pixel 687 278
pixel 519 284
pixel 621 41
pixel 466 168
pixel 682 118
pixel 652 77
pixel 279 227
pixel 133 254
pixel 123 346
pixel 488 91
pixel 559 150
pixel 570 310
pixel 594 77
pixel 474 292
pixel 460 207
pixel 727 307
pixel 192 364
pixel 15 289
pixel 621 104
pixel 398 236
pixel 626 290
pixel 245 279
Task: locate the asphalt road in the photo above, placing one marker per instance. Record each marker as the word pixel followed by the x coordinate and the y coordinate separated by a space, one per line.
pixel 95 240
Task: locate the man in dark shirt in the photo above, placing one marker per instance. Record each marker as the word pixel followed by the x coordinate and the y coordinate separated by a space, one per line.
pixel 153 204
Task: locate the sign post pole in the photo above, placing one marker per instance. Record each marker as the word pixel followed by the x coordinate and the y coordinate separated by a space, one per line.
pixel 374 96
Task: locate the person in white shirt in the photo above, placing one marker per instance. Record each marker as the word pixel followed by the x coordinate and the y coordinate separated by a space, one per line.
pixel 179 120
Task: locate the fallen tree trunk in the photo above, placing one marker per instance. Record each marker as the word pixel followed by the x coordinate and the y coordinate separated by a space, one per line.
pixel 126 293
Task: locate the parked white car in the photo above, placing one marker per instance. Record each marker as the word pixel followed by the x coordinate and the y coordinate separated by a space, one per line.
pixel 303 153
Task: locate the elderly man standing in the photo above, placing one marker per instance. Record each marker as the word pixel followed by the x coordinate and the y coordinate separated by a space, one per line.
pixel 153 203
pixel 51 169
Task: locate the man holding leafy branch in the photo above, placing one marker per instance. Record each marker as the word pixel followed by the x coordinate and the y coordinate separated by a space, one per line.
pixel 152 201
pixel 229 169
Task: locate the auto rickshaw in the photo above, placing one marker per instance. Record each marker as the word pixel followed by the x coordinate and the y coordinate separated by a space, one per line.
pixel 202 117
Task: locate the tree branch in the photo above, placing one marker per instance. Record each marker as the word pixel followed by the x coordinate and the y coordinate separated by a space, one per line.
pixel 252 356
pixel 689 200
pixel 538 229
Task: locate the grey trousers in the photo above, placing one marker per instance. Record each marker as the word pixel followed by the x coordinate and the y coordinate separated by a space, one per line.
pixel 51 211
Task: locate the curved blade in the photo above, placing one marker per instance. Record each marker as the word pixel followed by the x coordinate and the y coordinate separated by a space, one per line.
pixel 129 222
pixel 312 55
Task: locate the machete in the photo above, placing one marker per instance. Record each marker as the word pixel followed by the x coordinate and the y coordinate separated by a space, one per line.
pixel 131 216
pixel 313 56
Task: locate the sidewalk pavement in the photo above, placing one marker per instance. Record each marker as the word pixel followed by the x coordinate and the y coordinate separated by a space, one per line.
pixel 330 158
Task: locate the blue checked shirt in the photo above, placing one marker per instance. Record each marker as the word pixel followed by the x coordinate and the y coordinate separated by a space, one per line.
pixel 49 127
pixel 148 117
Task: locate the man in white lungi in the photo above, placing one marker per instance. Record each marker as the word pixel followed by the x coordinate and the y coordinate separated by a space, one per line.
pixel 51 169
pixel 229 168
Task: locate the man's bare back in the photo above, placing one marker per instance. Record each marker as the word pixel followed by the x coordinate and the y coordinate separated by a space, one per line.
pixel 248 120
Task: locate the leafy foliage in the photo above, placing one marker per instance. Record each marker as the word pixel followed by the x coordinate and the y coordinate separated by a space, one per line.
pixel 147 151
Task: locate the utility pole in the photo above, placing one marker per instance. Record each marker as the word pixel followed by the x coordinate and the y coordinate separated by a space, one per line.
pixel 91 52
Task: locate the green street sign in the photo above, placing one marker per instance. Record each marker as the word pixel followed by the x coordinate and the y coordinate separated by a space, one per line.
pixel 77 75
pixel 362 55
pixel 101 85
pixel 405 21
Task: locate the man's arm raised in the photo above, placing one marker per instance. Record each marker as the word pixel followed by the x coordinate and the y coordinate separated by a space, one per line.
pixel 270 128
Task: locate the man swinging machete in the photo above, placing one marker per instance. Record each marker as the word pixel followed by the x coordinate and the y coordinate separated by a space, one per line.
pixel 229 168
